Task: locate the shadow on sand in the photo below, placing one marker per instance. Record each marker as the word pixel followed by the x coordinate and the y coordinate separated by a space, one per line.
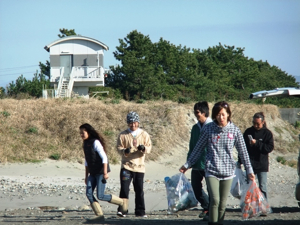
pixel 280 216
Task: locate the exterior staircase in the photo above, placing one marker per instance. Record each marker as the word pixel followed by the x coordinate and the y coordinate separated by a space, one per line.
pixel 64 91
pixel 65 82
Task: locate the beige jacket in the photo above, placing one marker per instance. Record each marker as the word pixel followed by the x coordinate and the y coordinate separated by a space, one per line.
pixel 135 160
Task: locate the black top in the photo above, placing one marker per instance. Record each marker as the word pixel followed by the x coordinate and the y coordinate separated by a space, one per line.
pixel 92 158
pixel 259 152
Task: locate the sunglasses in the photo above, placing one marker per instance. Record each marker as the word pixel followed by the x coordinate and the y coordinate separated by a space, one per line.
pixel 259 116
pixel 223 105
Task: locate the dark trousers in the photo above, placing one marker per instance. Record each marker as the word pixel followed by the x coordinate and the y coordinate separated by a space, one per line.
pixel 196 180
pixel 137 179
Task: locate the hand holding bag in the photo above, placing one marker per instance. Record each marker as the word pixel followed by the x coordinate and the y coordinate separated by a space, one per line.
pixel 253 202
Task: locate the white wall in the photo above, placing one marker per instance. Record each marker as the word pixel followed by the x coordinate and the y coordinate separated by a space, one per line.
pixel 76 47
pixel 81 91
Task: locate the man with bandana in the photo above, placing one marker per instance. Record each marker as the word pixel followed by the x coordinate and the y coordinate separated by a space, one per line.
pixel 133 143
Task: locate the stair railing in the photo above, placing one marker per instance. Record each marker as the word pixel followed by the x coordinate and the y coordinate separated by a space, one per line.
pixel 71 83
pixel 60 82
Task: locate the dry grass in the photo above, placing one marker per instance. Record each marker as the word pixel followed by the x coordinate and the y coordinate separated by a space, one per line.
pixel 33 130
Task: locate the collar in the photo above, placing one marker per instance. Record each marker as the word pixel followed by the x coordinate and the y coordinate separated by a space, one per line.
pixel 208 120
pixel 134 133
pixel 222 129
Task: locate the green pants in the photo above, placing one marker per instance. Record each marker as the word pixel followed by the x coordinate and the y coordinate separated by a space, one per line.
pixel 218 192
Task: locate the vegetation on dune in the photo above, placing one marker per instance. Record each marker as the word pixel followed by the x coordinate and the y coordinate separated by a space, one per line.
pixel 157 76
pixel 33 130
pixel 163 71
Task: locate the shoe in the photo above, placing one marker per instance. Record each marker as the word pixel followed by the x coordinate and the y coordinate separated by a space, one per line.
pixel 95 219
pixel 203 213
pixel 144 216
pixel 122 209
pixel 263 214
pixel 120 214
pixel 206 217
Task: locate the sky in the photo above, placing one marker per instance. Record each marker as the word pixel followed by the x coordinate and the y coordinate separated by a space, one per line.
pixel 269 30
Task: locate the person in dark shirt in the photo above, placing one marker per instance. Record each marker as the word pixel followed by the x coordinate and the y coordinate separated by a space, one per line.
pixel 201 112
pixel 259 142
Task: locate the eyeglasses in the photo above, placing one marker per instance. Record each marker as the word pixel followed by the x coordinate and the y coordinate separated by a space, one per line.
pixel 223 105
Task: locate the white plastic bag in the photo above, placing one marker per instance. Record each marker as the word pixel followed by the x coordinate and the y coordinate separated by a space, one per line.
pixel 237 182
pixel 180 193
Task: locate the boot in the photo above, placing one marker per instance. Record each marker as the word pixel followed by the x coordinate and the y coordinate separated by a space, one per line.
pixel 98 212
pixel 116 200
pixel 123 209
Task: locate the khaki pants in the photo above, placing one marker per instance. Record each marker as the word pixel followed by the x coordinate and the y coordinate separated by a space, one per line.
pixel 218 192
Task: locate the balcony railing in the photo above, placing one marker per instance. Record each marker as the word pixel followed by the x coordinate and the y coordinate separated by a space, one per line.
pixel 85 72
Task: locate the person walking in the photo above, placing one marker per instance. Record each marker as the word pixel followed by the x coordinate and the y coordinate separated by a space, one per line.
pixel 259 142
pixel 133 144
pixel 201 112
pixel 96 170
pixel 220 137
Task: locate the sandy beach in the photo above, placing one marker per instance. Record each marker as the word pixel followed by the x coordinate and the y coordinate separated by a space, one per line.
pixel 56 189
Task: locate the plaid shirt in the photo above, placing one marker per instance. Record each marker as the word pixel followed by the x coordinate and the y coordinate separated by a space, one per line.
pixel 220 142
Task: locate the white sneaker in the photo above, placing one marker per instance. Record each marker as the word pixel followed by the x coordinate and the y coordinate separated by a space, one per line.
pixel 120 214
pixel 144 216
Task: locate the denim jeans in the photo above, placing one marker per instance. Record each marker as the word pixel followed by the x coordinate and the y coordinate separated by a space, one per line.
pixel 93 182
pixel 137 179
pixel 262 181
pixel 197 177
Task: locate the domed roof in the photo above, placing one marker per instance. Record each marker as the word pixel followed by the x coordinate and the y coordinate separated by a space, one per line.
pixel 75 37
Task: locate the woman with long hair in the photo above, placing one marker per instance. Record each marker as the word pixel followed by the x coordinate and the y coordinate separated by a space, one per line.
pixel 96 170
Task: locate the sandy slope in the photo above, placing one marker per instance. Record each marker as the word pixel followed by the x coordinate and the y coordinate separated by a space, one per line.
pixel 60 184
pixel 57 187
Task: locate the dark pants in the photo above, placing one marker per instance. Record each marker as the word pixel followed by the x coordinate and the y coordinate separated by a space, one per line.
pixel 138 184
pixel 197 177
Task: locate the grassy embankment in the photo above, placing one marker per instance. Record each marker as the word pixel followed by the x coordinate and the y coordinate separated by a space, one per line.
pixel 32 130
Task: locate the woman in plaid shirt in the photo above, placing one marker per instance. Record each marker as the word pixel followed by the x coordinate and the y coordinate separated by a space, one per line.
pixel 220 137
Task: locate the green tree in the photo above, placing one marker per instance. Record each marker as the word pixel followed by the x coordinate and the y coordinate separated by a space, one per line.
pixel 162 70
pixel 151 70
pixel 134 53
pixel 32 87
pixel 17 87
pixel 2 92
pixel 65 32
pixel 45 69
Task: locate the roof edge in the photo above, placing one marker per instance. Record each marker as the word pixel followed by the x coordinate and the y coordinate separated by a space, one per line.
pixel 75 37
